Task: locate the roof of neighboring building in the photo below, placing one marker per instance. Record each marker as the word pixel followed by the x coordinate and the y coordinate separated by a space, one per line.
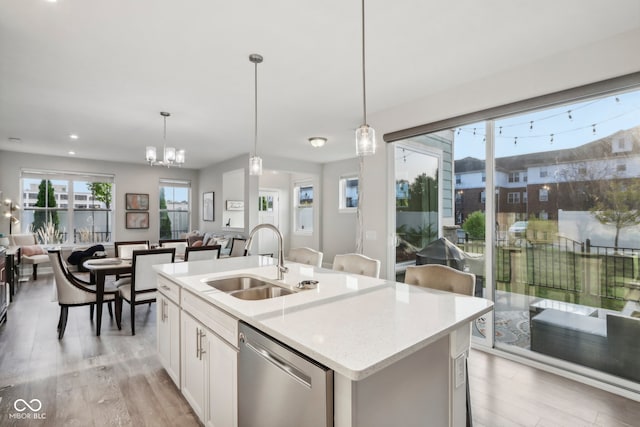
pixel 595 150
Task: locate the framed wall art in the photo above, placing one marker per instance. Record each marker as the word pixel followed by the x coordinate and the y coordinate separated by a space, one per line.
pixel 137 220
pixel 235 205
pixel 208 206
pixel 137 202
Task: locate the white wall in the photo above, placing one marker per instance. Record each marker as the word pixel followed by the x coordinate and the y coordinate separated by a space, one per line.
pixel 605 59
pixel 129 178
pixel 339 228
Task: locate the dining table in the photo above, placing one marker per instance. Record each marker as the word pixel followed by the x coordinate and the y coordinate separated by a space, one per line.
pixel 99 269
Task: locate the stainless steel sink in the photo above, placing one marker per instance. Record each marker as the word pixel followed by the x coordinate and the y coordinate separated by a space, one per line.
pixel 248 288
pixel 230 284
pixel 265 292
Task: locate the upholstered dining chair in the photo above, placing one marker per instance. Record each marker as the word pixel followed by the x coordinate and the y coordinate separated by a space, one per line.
pixel 30 252
pixel 200 253
pixel 357 264
pixel 72 292
pixel 444 278
pixel 237 247
pixel 305 255
pixel 141 288
pixel 124 250
pixel 179 244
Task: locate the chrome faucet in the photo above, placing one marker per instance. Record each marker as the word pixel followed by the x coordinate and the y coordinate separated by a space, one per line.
pixel 281 268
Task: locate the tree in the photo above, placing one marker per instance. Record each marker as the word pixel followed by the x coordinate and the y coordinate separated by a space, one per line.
pixel 618 205
pixel 46 199
pixel 474 225
pixel 423 194
pixel 165 221
pixel 101 191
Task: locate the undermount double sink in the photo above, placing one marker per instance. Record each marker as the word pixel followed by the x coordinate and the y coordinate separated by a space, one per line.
pixel 249 287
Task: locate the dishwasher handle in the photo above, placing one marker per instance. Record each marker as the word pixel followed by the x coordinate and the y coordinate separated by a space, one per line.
pixel 292 371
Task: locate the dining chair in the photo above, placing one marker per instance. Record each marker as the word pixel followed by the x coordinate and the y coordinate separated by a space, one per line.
pixel 357 264
pixel 30 252
pixel 179 244
pixel 141 289
pixel 200 253
pixel 73 292
pixel 237 247
pixel 305 255
pixel 445 278
pixel 124 250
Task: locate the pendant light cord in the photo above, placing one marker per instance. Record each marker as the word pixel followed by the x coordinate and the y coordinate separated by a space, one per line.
pixel 364 84
pixel 255 127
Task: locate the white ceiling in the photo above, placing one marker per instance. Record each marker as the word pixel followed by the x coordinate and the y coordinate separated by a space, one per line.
pixel 104 69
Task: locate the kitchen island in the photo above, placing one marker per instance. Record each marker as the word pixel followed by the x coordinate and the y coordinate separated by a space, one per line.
pixel 397 351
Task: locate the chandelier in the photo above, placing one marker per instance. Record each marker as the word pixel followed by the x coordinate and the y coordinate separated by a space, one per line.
pixel 171 156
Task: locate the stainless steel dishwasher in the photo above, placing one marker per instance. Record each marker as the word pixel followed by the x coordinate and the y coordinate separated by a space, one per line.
pixel 279 387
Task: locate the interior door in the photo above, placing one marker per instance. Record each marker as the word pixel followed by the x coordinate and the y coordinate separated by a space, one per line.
pixel 268 213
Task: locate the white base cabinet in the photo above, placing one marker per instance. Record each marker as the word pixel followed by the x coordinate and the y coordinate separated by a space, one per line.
pixel 194 352
pixel 168 335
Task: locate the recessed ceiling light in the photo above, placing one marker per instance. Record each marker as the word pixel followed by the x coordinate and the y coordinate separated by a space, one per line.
pixel 72 153
pixel 73 136
pixel 317 141
pixel 52 1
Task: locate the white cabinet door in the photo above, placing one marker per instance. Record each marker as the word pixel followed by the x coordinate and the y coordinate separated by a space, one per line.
pixel 222 379
pixel 194 341
pixel 168 337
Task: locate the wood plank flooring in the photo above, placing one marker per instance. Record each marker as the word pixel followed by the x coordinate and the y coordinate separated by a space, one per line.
pixel 117 380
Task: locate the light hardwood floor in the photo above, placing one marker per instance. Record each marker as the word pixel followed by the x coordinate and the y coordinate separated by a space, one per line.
pixel 116 379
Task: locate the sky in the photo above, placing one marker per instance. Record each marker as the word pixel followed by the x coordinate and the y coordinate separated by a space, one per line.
pixel 571 126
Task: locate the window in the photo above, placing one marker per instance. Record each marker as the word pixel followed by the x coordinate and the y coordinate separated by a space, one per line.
pixel 514 177
pixel 484 177
pixel 525 178
pixel 48 213
pixel 458 179
pixel 525 197
pixel 544 195
pixel 483 197
pixel 459 194
pixel 544 172
pixel 175 208
pixel 621 167
pixel 348 193
pixel 513 197
pixel 303 207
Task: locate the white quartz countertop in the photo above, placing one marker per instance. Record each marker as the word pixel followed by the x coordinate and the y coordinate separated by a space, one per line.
pixel 353 324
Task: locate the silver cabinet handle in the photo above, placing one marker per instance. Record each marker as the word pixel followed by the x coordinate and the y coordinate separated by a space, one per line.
pixel 165 287
pixel 200 336
pixel 278 363
pixel 197 343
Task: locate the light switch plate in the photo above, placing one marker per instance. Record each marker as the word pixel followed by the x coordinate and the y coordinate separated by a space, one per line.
pixel 459 370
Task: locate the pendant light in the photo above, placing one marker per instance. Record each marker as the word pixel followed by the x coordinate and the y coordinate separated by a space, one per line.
pixel 255 162
pixel 171 156
pixel 365 135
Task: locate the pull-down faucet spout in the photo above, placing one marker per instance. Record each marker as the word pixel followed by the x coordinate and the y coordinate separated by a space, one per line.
pixel 281 268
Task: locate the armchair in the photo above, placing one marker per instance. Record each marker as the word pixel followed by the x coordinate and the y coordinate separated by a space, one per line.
pixel 30 251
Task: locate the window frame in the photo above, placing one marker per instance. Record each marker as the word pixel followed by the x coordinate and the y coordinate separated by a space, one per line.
pixel 342 196
pixel 175 183
pixel 297 207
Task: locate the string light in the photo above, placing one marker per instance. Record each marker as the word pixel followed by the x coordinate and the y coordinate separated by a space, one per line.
pixel 515 141
pixel 551 141
pixel 500 130
pixel 474 131
pixel 594 128
pixel 530 125
pixel 570 116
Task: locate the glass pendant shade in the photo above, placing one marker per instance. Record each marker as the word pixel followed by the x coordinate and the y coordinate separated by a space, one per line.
pixel 365 141
pixel 255 165
pixel 151 154
pixel 180 157
pixel 170 155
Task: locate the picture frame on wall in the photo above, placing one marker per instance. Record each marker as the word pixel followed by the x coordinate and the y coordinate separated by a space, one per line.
pixel 137 220
pixel 208 206
pixel 137 202
pixel 234 205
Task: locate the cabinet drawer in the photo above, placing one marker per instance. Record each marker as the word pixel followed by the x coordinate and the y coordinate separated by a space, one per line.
pixel 169 289
pixel 222 324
